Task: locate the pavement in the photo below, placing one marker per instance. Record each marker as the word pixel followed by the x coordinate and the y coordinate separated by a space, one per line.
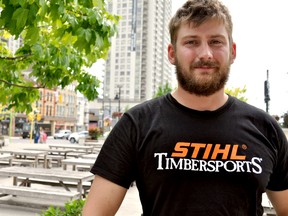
pixel 130 207
pixel 23 206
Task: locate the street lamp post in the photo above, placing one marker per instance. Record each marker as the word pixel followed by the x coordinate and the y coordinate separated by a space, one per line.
pixel 109 107
pixel 103 113
pixel 267 92
pixel 118 97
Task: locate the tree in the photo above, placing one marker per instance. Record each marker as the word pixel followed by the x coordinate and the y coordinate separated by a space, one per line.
pixel 237 92
pixel 60 39
pixel 162 90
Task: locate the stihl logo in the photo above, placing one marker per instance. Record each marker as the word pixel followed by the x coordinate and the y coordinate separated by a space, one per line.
pixel 207 151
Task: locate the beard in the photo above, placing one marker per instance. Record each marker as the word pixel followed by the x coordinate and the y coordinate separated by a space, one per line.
pixel 206 83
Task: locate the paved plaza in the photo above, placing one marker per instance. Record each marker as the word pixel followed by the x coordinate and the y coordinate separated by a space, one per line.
pixel 20 206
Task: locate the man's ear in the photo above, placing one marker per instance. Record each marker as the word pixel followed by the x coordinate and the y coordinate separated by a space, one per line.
pixel 171 54
pixel 233 53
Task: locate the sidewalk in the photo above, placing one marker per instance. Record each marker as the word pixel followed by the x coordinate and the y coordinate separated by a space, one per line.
pixel 130 207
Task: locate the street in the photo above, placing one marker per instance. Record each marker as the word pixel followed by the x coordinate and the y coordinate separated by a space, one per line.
pixel 20 140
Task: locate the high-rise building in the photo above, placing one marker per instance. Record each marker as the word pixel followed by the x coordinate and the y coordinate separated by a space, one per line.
pixel 138 64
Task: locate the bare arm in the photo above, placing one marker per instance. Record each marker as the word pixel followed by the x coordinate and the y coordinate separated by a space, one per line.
pixel 279 200
pixel 104 198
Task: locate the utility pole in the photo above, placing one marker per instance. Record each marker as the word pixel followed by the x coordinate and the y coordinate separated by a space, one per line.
pixel 102 126
pixel 267 92
pixel 103 106
pixel 118 97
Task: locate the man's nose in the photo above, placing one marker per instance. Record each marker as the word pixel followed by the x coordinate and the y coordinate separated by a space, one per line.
pixel 205 52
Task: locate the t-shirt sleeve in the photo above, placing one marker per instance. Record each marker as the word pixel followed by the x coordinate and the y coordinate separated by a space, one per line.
pixel 116 160
pixel 279 178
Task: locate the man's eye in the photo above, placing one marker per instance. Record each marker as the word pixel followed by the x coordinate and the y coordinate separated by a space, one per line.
pixel 216 42
pixel 192 42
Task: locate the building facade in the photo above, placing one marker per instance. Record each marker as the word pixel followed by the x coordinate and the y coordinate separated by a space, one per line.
pixel 58 108
pixel 82 113
pixel 138 64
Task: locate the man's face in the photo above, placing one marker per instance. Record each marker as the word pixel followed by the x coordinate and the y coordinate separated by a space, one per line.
pixel 202 57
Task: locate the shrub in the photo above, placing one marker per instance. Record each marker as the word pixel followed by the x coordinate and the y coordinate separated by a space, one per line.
pixel 94 133
pixel 71 208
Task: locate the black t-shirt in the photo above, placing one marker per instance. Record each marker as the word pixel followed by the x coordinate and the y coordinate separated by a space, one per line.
pixel 189 162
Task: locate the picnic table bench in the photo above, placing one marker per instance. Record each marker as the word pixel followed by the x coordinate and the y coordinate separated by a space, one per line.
pixel 78 150
pixel 54 156
pixel 7 158
pixel 26 157
pixel 53 151
pixel 26 175
pixel 39 193
pixel 87 163
pixel 97 145
pixel 90 156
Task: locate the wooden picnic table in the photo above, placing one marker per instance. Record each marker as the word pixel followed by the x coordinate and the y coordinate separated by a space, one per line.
pixel 63 177
pixel 25 154
pixel 77 162
pixel 6 157
pixel 98 144
pixel 90 156
pixel 53 151
pixel 75 147
pixel 99 141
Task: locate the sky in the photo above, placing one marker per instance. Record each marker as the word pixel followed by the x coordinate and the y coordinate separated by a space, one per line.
pixel 261 37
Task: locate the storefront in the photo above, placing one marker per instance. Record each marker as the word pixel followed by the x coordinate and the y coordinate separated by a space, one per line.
pixel 18 129
pixel 5 126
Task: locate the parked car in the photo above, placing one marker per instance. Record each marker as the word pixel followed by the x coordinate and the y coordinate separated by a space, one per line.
pixel 62 134
pixel 74 137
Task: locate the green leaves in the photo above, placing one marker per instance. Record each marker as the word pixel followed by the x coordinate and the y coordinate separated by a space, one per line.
pixel 32 35
pixel 17 15
pixel 20 17
pixel 71 208
pixel 60 39
pixel 237 92
pixel 88 85
pixel 162 90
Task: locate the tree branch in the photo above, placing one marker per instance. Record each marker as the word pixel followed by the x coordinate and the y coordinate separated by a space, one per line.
pixel 21 86
pixel 16 57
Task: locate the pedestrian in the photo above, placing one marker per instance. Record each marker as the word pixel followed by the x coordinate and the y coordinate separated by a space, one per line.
pixel 41 135
pixel 36 136
pixel 44 136
pixel 196 151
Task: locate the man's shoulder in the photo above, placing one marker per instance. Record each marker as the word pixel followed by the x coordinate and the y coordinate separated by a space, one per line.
pixel 149 105
pixel 248 107
pixel 252 111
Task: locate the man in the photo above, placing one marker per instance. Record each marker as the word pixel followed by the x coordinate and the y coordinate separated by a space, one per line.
pixel 196 151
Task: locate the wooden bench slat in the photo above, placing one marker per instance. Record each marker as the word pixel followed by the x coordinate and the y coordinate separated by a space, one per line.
pixel 86 185
pixel 56 159
pixel 82 168
pixel 52 182
pixel 38 193
pixel 23 162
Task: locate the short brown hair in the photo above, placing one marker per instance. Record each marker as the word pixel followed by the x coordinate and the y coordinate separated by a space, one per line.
pixel 197 12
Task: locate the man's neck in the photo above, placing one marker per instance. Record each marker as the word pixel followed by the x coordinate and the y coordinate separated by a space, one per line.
pixel 201 103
